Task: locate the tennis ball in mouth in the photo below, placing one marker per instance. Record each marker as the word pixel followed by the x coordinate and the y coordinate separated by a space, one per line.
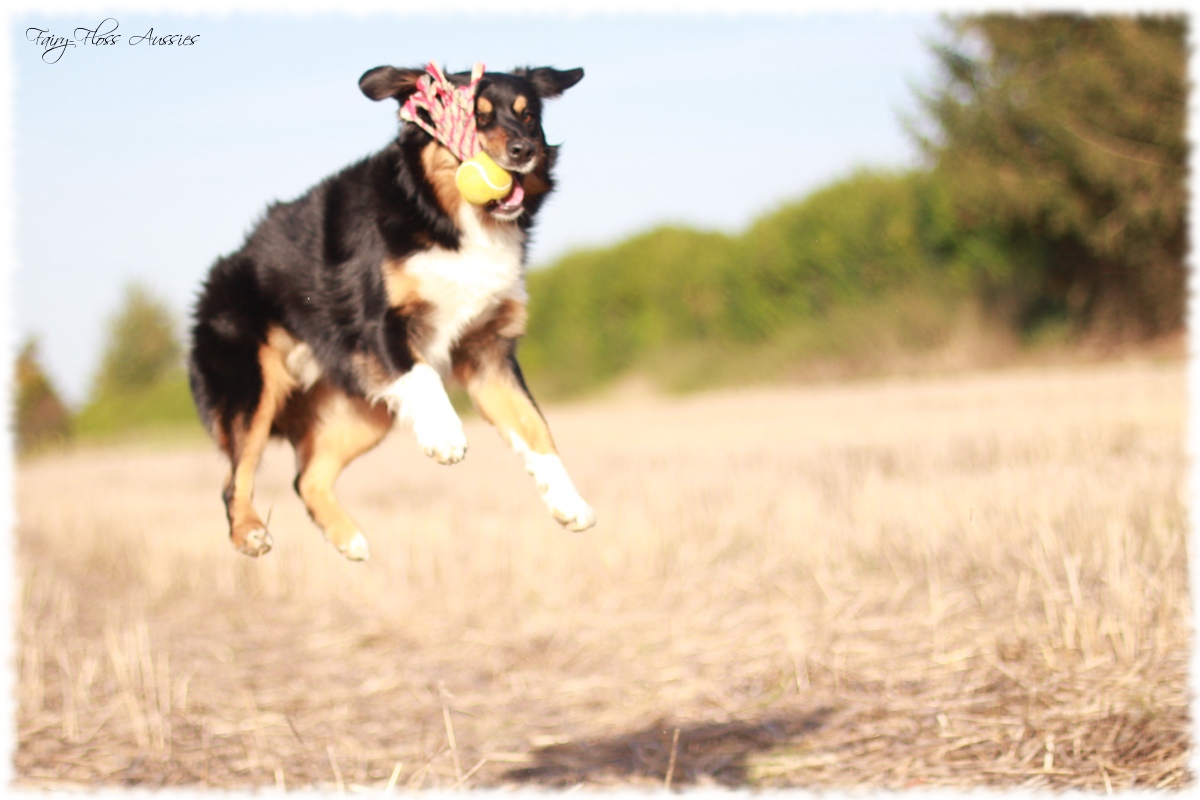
pixel 481 180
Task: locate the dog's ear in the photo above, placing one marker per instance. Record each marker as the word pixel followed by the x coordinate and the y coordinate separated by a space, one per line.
pixel 384 82
pixel 550 82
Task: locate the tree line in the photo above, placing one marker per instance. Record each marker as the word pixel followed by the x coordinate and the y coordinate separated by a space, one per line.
pixel 139 384
pixel 1053 197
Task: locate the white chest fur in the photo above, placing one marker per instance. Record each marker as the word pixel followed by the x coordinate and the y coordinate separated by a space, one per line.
pixel 462 285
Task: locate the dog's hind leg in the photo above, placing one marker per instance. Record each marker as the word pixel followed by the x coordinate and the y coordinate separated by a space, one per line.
pixel 334 430
pixel 245 443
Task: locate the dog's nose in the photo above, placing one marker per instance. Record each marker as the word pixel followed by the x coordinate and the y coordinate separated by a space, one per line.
pixel 519 149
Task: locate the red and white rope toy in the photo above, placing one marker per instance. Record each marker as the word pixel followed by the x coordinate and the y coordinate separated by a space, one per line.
pixel 452 109
pixel 480 180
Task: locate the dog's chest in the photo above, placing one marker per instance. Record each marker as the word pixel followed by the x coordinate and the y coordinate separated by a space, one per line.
pixel 462 286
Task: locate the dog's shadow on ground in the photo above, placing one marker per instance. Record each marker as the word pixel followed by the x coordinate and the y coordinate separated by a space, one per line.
pixel 718 751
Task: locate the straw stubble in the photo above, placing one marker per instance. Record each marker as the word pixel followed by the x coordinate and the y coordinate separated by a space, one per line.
pixel 965 581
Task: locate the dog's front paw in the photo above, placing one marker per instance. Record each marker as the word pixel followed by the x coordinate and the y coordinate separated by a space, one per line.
pixel 559 492
pixel 441 437
pixel 570 509
pixel 419 399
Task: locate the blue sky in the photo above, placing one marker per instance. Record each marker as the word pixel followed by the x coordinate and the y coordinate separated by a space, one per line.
pixel 146 163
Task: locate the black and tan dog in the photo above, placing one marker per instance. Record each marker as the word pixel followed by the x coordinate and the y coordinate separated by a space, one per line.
pixel 348 307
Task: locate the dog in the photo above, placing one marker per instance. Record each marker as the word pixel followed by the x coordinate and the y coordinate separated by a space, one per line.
pixel 348 308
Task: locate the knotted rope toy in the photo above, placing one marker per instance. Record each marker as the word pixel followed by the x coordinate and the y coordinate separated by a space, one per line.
pixel 452 109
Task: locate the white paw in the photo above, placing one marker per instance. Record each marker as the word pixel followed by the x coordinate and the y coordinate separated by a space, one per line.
pixel 557 491
pixel 441 437
pixel 570 509
pixel 357 549
pixel 419 399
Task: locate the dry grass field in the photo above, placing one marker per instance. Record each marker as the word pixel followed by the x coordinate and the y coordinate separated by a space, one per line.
pixel 945 581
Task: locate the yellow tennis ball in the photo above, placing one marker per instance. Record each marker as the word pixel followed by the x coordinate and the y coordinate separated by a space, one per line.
pixel 481 180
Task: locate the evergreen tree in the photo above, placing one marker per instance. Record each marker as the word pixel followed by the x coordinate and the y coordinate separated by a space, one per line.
pixel 41 416
pixel 1064 135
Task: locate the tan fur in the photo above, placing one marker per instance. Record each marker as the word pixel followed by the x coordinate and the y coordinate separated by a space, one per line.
pixel 481 363
pixel 502 402
pixel 494 143
pixel 371 374
pixel 403 295
pixel 340 428
pixel 281 341
pixel 520 104
pixel 440 166
pixel 298 358
pixel 488 341
pixel 484 106
pixel 400 286
pixel 535 184
pixel 278 383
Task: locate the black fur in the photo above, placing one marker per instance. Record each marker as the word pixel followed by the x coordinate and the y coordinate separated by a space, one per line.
pixel 313 265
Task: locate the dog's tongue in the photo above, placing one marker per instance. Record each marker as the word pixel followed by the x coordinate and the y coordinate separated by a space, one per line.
pixel 515 197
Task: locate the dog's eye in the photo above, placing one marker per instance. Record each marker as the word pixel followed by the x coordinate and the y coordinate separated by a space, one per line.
pixel 527 116
pixel 482 119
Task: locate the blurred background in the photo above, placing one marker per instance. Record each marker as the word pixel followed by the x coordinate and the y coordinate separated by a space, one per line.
pixel 741 199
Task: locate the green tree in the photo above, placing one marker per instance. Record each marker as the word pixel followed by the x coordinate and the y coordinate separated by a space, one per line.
pixel 41 417
pixel 1064 135
pixel 142 346
pixel 141 384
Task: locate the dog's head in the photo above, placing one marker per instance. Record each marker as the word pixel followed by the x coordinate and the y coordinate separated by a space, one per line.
pixel 508 113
